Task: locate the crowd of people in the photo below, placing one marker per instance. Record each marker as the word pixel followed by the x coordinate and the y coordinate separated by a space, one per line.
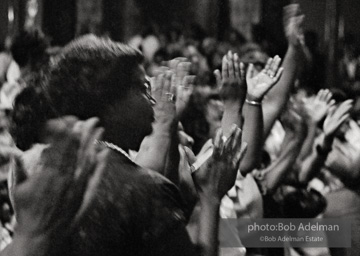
pixel 139 149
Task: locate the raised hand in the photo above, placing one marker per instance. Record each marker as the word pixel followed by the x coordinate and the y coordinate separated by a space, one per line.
pixel 352 135
pixel 164 92
pixel 293 119
pixel 184 83
pixel 317 108
pixel 231 82
pixel 218 174
pixel 258 85
pixel 185 88
pixel 52 201
pixel 336 117
pixel 293 21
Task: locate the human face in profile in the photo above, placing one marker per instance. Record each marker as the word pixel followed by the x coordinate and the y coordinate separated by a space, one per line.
pixel 129 120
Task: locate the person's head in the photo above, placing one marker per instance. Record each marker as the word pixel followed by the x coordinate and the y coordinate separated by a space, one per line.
pixel 91 77
pixel 252 53
pixel 302 203
pixel 29 49
pixel 202 116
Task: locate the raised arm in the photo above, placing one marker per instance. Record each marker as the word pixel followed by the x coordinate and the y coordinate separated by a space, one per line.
pixel 154 148
pixel 213 180
pixel 172 88
pixel 315 161
pixel 278 96
pixel 231 84
pixel 184 88
pixel 277 171
pixel 257 87
pixel 51 202
pixel 315 110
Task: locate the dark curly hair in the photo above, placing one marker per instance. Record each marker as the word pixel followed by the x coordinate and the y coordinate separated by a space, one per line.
pixel 29 48
pixel 89 74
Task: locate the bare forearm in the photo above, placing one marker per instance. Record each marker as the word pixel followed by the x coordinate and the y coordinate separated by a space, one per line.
pixel 313 163
pixel 232 115
pixel 172 159
pixel 309 142
pixel 277 171
pixel 278 96
pixel 209 226
pixel 153 151
pixel 252 135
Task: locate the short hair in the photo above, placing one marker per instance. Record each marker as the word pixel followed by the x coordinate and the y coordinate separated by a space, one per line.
pixel 89 75
pixel 303 203
pixel 29 47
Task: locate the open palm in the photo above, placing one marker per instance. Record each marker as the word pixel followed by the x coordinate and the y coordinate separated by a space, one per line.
pixel 336 117
pixel 317 108
pixel 258 85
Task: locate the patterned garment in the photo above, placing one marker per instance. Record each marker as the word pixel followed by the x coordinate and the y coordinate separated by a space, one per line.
pixel 135 212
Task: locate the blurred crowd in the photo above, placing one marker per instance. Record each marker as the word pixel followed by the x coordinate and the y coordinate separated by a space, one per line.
pixel 140 148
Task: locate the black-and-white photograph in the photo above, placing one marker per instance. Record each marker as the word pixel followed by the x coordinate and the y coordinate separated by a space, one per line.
pixel 180 127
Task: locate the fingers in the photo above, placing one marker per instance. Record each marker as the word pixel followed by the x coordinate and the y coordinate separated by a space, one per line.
pixel 337 116
pixel 324 95
pixel 242 70
pixel 278 75
pixel 250 72
pixel 218 143
pixel 237 66
pixel 332 103
pixel 190 155
pixel 188 82
pixel 328 96
pixel 182 70
pixel 169 87
pixel 224 68
pixel 218 78
pixel 343 119
pixel 173 84
pixel 228 143
pixel 299 21
pixel 161 70
pixel 183 158
pixel 331 110
pixel 319 95
pixel 353 125
pixel 274 66
pixel 291 10
pixel 240 153
pixel 237 139
pixel 230 64
pixel 173 64
pixel 344 108
pixel 267 66
pixel 158 86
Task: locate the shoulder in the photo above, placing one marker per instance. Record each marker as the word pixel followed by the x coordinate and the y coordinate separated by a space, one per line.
pixel 129 176
pixel 133 207
pixel 143 192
